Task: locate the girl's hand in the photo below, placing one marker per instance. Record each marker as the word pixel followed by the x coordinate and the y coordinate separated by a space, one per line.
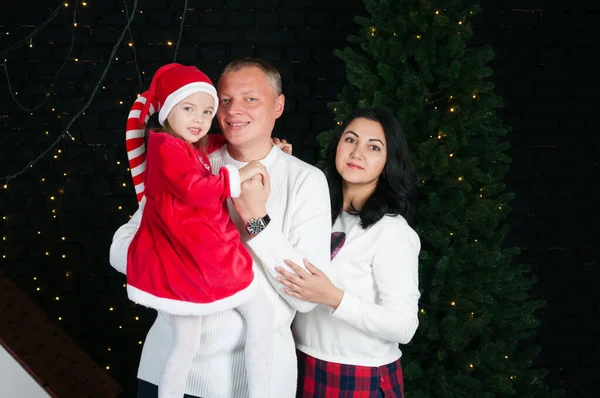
pixel 282 144
pixel 312 285
pixel 251 169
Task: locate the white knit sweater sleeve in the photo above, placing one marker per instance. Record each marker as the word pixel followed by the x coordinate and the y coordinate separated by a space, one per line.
pixel 122 239
pixel 395 269
pixel 309 236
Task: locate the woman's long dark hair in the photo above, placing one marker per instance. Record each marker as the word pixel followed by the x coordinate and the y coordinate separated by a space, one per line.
pixel 393 193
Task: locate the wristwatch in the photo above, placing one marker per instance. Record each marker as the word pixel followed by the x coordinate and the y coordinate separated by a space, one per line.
pixel 255 225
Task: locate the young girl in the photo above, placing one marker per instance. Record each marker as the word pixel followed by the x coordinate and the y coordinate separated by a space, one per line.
pixel 348 345
pixel 186 258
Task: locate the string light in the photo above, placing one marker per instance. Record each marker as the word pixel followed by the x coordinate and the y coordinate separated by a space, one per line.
pixel 90 99
pixel 49 94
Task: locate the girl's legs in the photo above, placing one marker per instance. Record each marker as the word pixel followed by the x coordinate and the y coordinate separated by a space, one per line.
pixel 184 345
pixel 260 319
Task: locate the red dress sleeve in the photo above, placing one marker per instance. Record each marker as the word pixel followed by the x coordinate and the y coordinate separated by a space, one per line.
pixel 183 175
pixel 215 142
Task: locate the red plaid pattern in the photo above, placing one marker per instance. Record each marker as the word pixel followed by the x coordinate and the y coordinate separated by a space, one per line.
pixel 322 379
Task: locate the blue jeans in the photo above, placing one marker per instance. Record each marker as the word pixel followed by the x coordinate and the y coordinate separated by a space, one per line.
pixel 148 390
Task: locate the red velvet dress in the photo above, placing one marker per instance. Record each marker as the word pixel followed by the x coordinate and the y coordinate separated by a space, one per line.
pixel 187 257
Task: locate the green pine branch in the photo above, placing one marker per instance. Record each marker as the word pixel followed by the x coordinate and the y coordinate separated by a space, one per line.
pixel 477 319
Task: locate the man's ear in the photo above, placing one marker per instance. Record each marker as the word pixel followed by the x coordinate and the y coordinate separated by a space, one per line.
pixel 279 105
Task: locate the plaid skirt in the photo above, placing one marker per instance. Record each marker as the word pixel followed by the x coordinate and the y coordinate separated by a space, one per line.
pixel 322 379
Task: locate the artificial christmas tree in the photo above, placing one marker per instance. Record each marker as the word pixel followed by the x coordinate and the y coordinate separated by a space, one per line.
pixel 476 317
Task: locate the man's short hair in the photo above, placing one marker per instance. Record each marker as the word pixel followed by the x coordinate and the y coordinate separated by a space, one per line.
pixel 269 70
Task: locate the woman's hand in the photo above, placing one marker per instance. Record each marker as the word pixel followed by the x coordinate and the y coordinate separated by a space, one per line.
pixel 312 285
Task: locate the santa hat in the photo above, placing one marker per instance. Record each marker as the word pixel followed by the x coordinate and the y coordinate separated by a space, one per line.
pixel 170 85
pixel 174 82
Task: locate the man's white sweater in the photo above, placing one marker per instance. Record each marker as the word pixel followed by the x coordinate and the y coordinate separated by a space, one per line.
pixel 300 228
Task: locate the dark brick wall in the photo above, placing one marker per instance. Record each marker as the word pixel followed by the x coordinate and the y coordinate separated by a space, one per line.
pixel 90 201
pixel 545 69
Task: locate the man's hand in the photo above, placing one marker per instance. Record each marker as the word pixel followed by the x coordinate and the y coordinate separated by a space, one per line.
pixel 252 203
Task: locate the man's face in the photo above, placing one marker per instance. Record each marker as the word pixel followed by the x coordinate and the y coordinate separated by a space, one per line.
pixel 248 107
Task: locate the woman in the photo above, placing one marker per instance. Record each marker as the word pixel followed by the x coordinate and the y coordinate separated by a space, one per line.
pixel 348 345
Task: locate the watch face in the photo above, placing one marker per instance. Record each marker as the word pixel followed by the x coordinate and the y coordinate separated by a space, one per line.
pixel 255 225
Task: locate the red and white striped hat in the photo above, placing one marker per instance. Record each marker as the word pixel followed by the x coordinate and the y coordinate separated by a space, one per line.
pixel 170 85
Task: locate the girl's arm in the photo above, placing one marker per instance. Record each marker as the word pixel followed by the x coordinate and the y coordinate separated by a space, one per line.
pixel 215 142
pixel 186 177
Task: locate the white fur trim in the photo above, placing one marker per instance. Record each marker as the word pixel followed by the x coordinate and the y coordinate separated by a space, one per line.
pixel 235 183
pixel 177 307
pixel 181 93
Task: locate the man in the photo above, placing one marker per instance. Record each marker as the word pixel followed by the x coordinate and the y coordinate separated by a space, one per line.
pixel 294 224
